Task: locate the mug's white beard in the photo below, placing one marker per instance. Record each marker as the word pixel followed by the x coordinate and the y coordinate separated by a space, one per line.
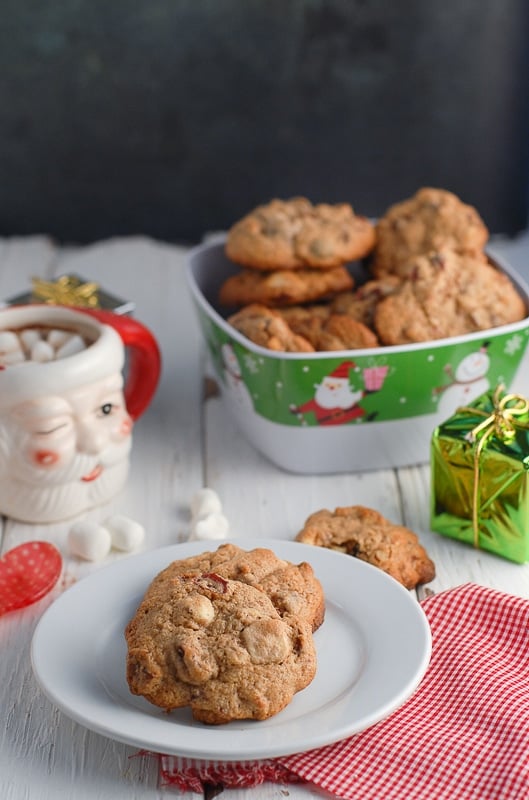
pixel 81 464
pixel 23 497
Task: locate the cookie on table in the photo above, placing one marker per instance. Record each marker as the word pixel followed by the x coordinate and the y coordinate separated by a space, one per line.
pixel 218 646
pixel 283 287
pixel 448 295
pixel 267 328
pixel 431 219
pixel 294 233
pixel 360 303
pixel 366 534
pixel 293 588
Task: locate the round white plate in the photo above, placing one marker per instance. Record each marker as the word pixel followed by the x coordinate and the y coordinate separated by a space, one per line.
pixel 373 650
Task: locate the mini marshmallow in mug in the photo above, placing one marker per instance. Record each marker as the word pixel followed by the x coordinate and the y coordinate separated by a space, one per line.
pixel 66 423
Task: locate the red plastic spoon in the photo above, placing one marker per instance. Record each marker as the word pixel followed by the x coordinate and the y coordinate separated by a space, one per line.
pixel 27 573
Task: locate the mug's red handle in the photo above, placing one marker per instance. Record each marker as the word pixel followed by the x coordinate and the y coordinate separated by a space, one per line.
pixel 144 364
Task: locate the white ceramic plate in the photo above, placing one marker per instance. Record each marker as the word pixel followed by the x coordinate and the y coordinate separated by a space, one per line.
pixel 373 649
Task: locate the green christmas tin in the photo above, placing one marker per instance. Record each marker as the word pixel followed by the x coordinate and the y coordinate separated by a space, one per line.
pixel 350 410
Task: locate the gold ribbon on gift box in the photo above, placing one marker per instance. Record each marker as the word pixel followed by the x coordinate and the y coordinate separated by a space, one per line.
pixel 502 422
pixel 66 291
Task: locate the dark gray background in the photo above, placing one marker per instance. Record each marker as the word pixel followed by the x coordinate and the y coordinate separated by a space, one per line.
pixel 173 117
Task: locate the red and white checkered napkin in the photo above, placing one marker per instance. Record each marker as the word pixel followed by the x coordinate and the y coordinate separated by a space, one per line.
pixel 463 735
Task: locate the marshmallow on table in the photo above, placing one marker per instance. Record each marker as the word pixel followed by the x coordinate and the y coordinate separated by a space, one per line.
pixel 205 501
pixel 211 526
pixel 125 533
pixel 89 540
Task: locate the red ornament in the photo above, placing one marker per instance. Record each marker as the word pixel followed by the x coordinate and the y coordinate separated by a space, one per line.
pixel 27 573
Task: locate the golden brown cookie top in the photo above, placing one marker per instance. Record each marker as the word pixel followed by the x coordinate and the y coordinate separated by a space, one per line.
pixel 293 588
pixel 447 294
pixel 267 328
pixel 283 287
pixel 327 331
pixel 430 220
pixel 294 233
pixel 218 646
pixel 363 532
pixel 360 303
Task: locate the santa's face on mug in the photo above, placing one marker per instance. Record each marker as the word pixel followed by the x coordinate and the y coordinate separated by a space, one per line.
pixel 67 451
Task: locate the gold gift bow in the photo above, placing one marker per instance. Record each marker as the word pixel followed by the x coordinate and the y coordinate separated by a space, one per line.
pixel 502 423
pixel 66 291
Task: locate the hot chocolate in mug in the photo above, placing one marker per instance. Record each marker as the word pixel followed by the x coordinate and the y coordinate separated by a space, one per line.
pixel 66 407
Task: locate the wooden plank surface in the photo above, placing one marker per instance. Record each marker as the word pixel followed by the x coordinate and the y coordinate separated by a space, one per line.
pixel 186 440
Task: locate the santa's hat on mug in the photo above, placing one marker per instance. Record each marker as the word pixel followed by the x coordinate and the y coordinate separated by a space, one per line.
pixel 342 371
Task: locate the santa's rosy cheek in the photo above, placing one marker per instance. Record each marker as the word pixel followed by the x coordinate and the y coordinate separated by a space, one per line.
pixel 126 427
pixel 45 458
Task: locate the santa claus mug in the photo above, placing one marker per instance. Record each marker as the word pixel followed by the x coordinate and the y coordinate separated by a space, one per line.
pixel 66 408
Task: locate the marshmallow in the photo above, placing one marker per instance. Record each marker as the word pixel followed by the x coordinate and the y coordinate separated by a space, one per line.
pixel 126 534
pixel 211 526
pixel 204 502
pixel 15 357
pixel 29 337
pixel 10 348
pixel 75 344
pixel 57 337
pixel 42 352
pixel 89 540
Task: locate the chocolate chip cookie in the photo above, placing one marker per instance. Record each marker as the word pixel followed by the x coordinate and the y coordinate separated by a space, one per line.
pixel 366 534
pixel 327 331
pixel 360 303
pixel 283 287
pixel 267 328
pixel 293 588
pixel 447 294
pixel 218 646
pixel 430 220
pixel 295 234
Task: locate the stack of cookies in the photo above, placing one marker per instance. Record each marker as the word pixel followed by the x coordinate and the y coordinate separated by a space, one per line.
pixel 227 633
pixel 293 254
pixel 427 275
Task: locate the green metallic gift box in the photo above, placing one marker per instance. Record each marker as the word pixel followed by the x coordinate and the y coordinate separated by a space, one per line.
pixel 480 475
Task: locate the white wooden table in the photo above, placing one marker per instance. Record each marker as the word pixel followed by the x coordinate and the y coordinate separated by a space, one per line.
pixel 186 440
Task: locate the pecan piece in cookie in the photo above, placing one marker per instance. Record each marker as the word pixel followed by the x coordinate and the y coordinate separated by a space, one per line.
pixel 366 534
pixel 431 219
pixel 267 328
pixel 291 234
pixel 283 287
